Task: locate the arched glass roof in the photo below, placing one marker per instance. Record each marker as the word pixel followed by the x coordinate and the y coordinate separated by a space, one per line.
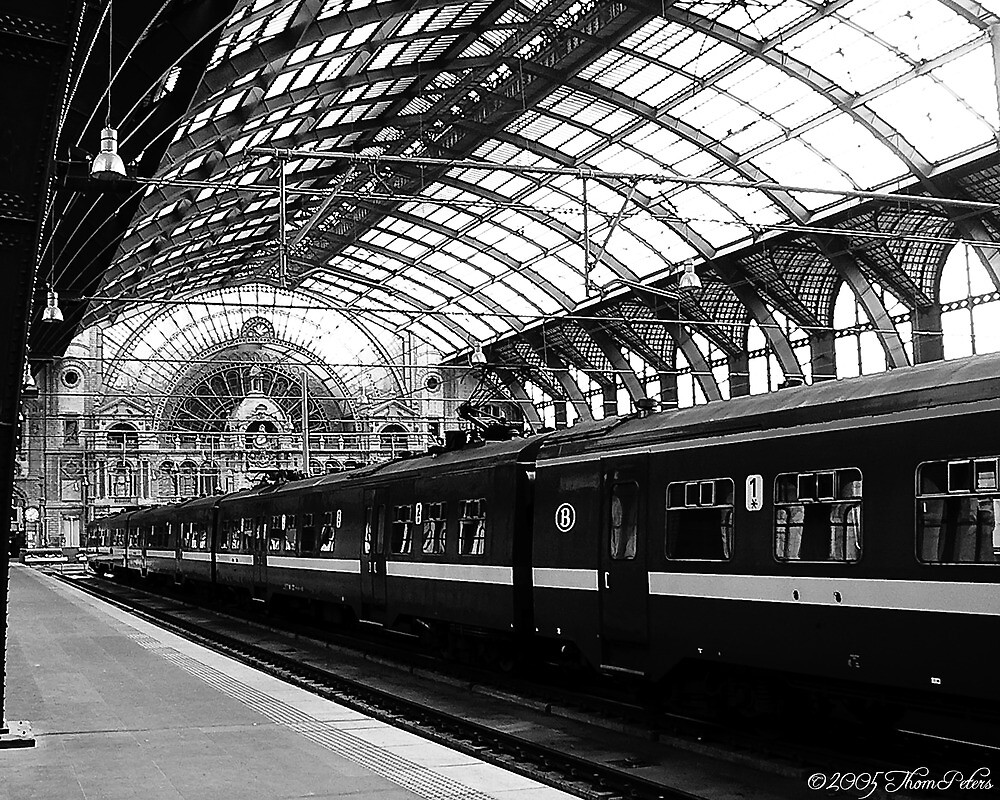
pixel 858 95
pixel 150 349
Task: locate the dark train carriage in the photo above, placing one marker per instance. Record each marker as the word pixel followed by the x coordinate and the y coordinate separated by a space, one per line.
pixel 157 542
pixel 447 539
pixel 313 548
pixel 195 521
pixel 844 530
pixel 568 522
pixel 107 540
pixel 244 523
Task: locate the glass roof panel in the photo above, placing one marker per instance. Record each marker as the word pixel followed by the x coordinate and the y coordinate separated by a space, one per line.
pixel 855 150
pixel 968 76
pixel 920 30
pixel 931 118
pixel 666 243
pixel 794 163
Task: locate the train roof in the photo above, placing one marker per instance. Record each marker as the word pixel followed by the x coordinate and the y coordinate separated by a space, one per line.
pixel 110 519
pixel 168 510
pixel 941 383
pixel 469 456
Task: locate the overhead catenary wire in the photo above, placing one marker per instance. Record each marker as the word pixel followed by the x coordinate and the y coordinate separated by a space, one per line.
pixel 580 172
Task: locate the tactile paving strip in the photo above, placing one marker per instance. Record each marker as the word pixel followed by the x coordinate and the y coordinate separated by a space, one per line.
pixel 407 774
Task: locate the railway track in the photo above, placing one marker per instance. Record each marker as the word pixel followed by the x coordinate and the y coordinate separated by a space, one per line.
pixel 463 709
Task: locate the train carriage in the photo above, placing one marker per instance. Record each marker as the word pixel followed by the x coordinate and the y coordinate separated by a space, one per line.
pixel 154 550
pixel 195 521
pixel 842 531
pixel 450 538
pixel 107 542
pixel 241 538
pixel 313 549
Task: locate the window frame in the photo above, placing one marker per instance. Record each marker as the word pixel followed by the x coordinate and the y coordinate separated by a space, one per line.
pixel 479 535
pixel 439 536
pixel 818 498
pixel 729 541
pixel 613 553
pixel 327 545
pixel 407 523
pixel 948 493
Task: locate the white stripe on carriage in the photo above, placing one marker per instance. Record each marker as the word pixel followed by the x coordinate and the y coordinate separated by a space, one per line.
pixel 189 555
pixel 317 564
pixel 942 596
pixel 469 573
pixel 555 578
pixel 172 554
pixel 233 558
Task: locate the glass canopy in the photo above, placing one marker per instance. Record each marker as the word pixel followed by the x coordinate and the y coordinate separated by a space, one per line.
pixel 860 95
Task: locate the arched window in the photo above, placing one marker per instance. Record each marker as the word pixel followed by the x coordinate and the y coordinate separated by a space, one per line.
pixel 123 436
pixel 968 307
pixel 187 479
pixel 315 468
pixel 393 438
pixel 333 466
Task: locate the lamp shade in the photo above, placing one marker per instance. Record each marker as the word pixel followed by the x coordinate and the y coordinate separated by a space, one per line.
pixel 108 165
pixel 29 389
pixel 690 279
pixel 52 312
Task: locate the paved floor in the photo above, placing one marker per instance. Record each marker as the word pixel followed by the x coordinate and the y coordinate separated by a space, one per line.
pixel 122 710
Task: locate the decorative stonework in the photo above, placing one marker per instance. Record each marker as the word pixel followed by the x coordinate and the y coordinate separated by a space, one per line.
pixel 257 328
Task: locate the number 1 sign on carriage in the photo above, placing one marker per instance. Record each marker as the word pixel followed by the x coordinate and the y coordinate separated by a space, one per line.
pixel 755 492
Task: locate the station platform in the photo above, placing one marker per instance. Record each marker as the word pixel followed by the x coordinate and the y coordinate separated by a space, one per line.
pixel 121 710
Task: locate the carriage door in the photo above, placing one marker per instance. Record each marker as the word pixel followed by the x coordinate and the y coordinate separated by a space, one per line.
pixel 259 569
pixel 373 549
pixel 623 581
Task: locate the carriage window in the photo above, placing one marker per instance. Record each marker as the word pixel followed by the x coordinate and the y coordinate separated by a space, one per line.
pixel 367 544
pixel 199 535
pixel 402 529
pixel 308 535
pixel 253 529
pixel 624 522
pixel 328 534
pixel 957 507
pixel 291 534
pixel 817 515
pixel 700 520
pixel 276 537
pixel 235 535
pixel 154 536
pixel 472 527
pixel 242 539
pixel 435 525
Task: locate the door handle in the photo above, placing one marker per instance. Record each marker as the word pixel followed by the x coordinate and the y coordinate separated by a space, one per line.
pixel 606 584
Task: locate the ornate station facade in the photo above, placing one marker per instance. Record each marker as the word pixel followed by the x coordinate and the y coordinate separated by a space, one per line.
pixel 96 441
